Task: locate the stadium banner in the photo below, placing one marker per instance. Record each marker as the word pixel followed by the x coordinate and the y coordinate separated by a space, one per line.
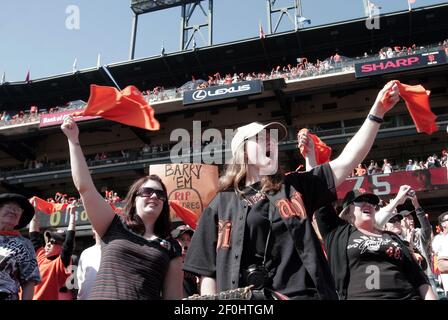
pixel 415 61
pixel 233 90
pixel 385 184
pixel 60 219
pixel 193 186
pixel 56 118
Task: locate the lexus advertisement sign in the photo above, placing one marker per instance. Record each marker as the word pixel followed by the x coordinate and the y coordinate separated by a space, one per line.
pixel 233 90
pixel 415 61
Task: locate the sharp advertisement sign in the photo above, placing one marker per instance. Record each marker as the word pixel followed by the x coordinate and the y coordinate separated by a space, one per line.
pixel 415 61
pixel 213 93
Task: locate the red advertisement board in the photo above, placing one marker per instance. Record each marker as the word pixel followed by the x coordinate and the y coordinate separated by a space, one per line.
pixel 395 64
pixel 54 119
pixel 389 183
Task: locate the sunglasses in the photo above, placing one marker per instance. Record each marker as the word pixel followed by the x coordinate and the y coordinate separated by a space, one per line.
pixel 53 241
pixel 148 192
pixel 394 220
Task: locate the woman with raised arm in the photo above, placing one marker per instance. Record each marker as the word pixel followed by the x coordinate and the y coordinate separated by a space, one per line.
pixel 368 262
pixel 139 259
pixel 257 230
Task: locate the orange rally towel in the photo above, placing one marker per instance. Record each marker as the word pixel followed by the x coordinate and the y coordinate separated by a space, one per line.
pixel 321 150
pixel 47 207
pixel 417 102
pixel 126 106
pixel 188 216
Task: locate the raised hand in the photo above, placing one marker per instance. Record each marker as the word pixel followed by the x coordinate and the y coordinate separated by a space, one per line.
pixel 306 148
pixel 413 196
pixel 71 208
pixel 304 141
pixel 386 99
pixel 70 128
pixel 402 194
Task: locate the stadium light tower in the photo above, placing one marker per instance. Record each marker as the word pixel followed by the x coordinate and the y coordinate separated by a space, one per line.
pixel 293 12
pixel 188 9
pixel 187 12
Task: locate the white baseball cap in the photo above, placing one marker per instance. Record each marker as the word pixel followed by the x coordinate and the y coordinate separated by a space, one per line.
pixel 252 129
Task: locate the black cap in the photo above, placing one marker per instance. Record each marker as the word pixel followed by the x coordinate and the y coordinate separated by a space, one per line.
pixel 397 217
pixel 28 209
pixel 58 236
pixel 441 218
pixel 180 230
pixel 360 195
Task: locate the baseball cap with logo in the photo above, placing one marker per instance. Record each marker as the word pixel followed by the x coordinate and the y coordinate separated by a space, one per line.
pixel 252 129
pixel 180 230
pixel 360 195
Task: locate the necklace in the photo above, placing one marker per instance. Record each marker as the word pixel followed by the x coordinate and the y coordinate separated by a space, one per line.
pixel 256 190
pixel 259 195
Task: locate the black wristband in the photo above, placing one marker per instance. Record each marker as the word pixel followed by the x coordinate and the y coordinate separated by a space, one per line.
pixel 419 210
pixel 375 119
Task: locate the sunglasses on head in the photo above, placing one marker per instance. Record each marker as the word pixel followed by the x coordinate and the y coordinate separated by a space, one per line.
pixel 148 192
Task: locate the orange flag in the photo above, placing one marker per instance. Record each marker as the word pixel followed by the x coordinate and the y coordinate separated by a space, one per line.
pixel 417 102
pixel 321 150
pixel 47 207
pixel 188 216
pixel 126 106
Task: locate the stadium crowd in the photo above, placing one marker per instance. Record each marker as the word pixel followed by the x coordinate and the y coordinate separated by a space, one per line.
pixel 159 260
pixel 299 70
pixel 280 234
pixel 432 161
pixel 162 150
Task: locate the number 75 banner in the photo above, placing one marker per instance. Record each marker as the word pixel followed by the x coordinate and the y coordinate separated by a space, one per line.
pixel 389 183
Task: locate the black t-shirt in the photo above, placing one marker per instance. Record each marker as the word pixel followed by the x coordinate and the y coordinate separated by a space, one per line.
pixel 376 269
pixel 256 228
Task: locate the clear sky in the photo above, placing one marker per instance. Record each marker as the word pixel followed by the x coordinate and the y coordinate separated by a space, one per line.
pixel 34 34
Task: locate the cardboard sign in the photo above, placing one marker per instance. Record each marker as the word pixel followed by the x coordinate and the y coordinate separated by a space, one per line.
pixel 192 185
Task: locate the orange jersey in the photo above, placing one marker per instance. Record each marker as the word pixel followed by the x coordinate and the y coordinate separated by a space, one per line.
pixel 53 275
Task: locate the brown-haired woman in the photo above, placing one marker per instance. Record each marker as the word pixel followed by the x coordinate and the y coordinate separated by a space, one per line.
pixel 139 260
